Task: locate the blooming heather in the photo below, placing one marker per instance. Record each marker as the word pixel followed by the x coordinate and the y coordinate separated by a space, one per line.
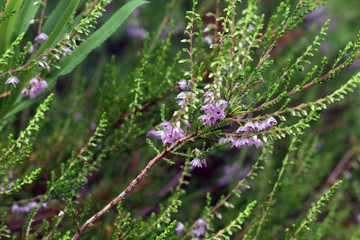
pixel 201 226
pixel 170 134
pixel 35 87
pixel 212 113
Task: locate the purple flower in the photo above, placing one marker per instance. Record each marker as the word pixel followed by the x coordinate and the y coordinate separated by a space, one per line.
pixel 258 143
pixel 259 126
pixel 24 209
pixel 196 163
pixel 179 228
pixel 66 51
pixel 243 142
pixel 201 227
pixel 208 40
pixel 31 49
pixel 33 92
pixel 209 97
pixel 25 92
pixel 41 37
pixel 201 222
pixel 218 113
pixel 208 119
pixel 222 103
pixel 185 96
pixel 182 103
pixel 183 85
pixel 186 122
pixel 153 133
pixel 170 133
pixel 208 108
pixel 93 126
pixel 251 28
pixel 225 140
pixel 249 126
pixel 181 95
pixel 13 80
pixel 213 113
pixel 43 84
pixel 34 82
pixel 136 32
pixel 31 22
pixel 78 116
pixel 198 231
pixel 270 122
pixel 15 208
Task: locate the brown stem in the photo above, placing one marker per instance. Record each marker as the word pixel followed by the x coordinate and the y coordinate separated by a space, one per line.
pixel 132 185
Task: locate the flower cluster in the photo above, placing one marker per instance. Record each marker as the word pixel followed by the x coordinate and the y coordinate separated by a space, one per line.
pixel 242 142
pixel 213 112
pixel 201 226
pixel 170 133
pixel 27 208
pixel 249 127
pixel 256 126
pixel 185 97
pixel 36 87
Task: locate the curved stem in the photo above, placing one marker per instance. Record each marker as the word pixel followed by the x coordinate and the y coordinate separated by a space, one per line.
pixel 131 186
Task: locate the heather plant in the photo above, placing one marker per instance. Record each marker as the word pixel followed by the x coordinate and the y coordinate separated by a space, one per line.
pixel 206 133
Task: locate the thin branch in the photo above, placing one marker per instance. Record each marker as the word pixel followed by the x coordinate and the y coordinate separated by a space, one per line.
pixel 131 186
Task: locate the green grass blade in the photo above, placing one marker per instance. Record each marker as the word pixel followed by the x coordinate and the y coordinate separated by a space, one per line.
pixel 7 27
pixel 59 27
pixel 79 54
pixel 55 16
pixel 27 13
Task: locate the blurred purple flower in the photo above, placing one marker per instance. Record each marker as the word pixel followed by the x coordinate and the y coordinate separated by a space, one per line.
pixel 12 80
pixel 25 92
pixel 41 37
pixel 136 32
pixel 179 228
pixel 196 163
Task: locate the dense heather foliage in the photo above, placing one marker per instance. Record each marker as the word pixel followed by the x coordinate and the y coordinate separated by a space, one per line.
pixel 217 119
